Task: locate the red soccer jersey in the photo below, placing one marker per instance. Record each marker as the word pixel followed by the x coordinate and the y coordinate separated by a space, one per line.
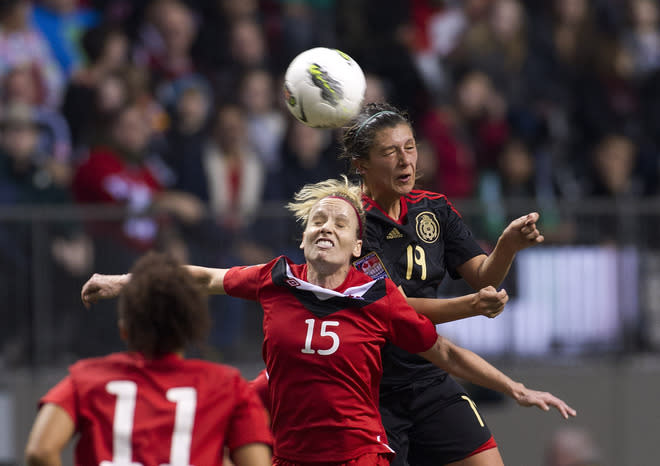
pixel 130 410
pixel 322 352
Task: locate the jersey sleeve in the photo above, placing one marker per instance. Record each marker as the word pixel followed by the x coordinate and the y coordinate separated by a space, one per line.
pixel 260 385
pixel 245 281
pixel 249 423
pixel 63 395
pixel 409 330
pixel 460 245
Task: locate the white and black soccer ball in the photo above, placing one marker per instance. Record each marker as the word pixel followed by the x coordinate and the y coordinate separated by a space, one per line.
pixel 324 88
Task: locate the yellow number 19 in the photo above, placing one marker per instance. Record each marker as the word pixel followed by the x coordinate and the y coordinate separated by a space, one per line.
pixel 418 257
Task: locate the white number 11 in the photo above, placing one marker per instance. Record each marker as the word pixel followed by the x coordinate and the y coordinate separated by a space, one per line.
pixel 122 427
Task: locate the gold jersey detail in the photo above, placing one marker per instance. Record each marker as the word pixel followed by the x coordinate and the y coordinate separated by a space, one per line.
pixel 394 234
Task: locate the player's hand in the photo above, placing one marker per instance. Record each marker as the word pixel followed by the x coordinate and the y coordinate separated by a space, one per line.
pixel 489 302
pixel 101 287
pixel 522 233
pixel 544 401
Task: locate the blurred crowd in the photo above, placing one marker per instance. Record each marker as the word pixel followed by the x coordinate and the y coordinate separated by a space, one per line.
pixel 174 108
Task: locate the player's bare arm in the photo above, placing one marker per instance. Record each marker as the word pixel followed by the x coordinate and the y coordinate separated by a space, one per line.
pixel 210 280
pixel 482 270
pixel 253 454
pixel 467 365
pixel 486 302
pixel 50 433
pixel 99 286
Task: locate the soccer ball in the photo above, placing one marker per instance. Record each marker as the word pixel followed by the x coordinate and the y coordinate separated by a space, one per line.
pixel 324 87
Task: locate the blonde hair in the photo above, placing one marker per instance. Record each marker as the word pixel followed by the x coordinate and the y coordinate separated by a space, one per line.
pixel 311 194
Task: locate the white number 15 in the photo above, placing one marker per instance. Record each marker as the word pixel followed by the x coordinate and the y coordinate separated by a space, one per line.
pixel 324 333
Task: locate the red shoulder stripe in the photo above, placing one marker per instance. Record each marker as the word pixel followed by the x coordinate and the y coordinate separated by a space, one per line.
pixel 416 195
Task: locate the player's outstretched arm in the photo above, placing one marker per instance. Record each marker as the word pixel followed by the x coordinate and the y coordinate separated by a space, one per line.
pixel 51 431
pixel 99 286
pixel 467 365
pixel 486 302
pixel 520 234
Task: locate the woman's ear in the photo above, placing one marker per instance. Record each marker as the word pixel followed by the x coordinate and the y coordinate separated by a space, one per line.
pixel 358 166
pixel 357 249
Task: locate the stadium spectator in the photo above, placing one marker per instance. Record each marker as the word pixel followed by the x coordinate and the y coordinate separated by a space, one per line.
pixel 266 124
pixel 186 137
pixel 106 52
pixel 247 49
pixel 21 43
pixel 235 175
pixel 498 46
pixel 215 22
pixel 63 23
pixel 641 37
pixel 166 39
pixel 324 326
pixel 111 401
pixel 467 134
pixel 386 47
pixel 20 85
pixel 613 177
pixel 306 24
pixel 417 237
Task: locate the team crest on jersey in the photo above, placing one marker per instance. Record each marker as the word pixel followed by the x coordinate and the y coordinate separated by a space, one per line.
pixel 372 266
pixel 427 226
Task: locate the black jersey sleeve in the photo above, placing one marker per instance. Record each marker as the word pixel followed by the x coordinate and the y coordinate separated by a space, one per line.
pixel 460 244
pixel 376 259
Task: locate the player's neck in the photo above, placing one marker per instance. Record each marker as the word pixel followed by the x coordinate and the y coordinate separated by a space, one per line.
pixel 391 206
pixel 329 279
pixel 390 203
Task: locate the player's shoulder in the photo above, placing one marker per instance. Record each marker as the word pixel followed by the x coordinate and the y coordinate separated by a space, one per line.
pixel 211 366
pixel 100 362
pixel 423 197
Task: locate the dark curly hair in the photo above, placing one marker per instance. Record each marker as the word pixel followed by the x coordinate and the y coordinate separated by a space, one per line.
pixel 359 134
pixel 161 309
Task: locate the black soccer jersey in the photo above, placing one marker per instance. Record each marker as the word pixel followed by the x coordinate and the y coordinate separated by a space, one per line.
pixel 416 250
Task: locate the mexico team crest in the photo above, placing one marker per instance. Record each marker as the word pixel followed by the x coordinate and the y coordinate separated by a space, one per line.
pixel 427 227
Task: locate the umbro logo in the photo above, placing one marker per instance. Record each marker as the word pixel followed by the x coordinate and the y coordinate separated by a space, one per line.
pixel 394 234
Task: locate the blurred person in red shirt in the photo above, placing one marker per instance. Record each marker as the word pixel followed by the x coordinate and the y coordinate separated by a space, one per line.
pixel 118 172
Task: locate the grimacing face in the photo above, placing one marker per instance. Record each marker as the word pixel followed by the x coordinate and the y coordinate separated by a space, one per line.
pixel 330 239
pixel 389 171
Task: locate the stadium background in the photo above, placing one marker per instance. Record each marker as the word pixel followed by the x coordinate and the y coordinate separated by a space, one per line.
pixel 518 106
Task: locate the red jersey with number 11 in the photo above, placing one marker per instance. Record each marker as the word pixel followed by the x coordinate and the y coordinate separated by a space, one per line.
pixel 322 353
pixel 138 412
